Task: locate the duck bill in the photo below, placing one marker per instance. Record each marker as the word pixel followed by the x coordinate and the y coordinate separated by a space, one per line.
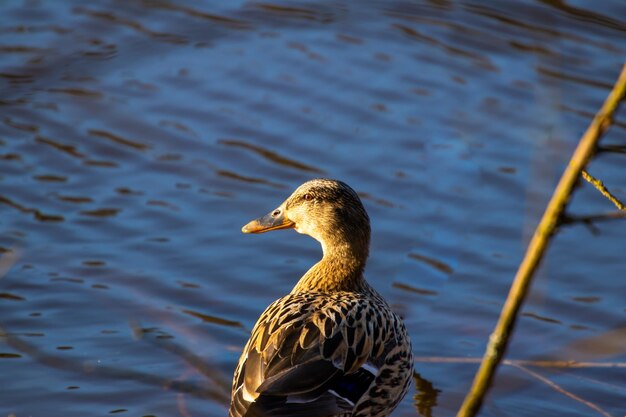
pixel 267 223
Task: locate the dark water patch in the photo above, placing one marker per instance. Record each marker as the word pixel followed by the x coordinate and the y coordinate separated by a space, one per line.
pixel 507 170
pixel 231 23
pixel 270 155
pixel 27 334
pixel 119 139
pixel 29 29
pixel 67 149
pixel 590 15
pixel 66 279
pixel 50 178
pixel 542 318
pixel 16 102
pixel 75 199
pixel 77 92
pixel 587 300
pixel 78 78
pixel 35 212
pixel 435 263
pixel 414 34
pixel 534 48
pixel 158 239
pixel 128 191
pixel 409 288
pixel 101 164
pixel 102 212
pixel 178 126
pixel 108 53
pixel 542 25
pixel 131 24
pixel 10 296
pixel 11 203
pixel 297 13
pixel 251 180
pixel 184 284
pixel 349 39
pixel 574 78
pixel 314 56
pixel 213 319
pixel 170 157
pixel 4 355
pixel 164 204
pixel 580 327
pixel 26 127
pixel 94 263
pixel 100 287
pixel 141 86
pixel 377 200
pixel 17 78
pixel 21 49
pixel 46 106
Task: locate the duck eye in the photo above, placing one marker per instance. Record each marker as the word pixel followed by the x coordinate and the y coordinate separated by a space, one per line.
pixel 308 197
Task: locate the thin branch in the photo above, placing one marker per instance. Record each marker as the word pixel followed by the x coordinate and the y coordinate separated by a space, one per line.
pixel 612 148
pixel 499 338
pixel 563 391
pixel 594 217
pixel 518 362
pixel 605 192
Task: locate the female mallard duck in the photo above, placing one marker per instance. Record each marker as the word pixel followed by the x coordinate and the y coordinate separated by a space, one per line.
pixel 332 347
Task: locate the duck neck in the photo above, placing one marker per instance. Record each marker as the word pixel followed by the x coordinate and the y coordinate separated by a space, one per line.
pixel 340 269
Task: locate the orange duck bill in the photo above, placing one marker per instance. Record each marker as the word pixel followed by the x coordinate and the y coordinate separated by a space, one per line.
pixel 272 221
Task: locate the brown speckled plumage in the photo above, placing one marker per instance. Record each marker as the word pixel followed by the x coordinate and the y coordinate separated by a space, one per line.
pixel 332 347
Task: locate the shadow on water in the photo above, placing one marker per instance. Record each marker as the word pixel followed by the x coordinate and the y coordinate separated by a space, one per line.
pixel 217 387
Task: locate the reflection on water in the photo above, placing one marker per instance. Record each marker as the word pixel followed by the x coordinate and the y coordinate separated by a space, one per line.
pixel 137 137
pixel 425 397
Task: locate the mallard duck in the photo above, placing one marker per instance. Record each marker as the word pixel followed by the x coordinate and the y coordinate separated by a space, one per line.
pixel 331 347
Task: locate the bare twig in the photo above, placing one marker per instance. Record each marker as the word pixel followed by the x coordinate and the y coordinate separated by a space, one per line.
pixel 594 217
pixel 563 391
pixel 612 148
pixel 605 192
pixel 518 362
pixel 499 338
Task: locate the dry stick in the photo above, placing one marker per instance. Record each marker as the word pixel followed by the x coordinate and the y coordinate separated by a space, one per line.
pixel 605 192
pixel 563 391
pixel 522 362
pixel 596 217
pixel 537 247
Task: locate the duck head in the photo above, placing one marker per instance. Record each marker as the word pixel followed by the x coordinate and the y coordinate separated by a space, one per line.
pixel 327 210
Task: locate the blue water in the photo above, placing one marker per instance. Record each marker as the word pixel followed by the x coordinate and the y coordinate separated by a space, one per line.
pixel 137 137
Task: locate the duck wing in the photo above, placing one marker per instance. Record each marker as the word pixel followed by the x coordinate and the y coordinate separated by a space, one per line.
pixel 310 355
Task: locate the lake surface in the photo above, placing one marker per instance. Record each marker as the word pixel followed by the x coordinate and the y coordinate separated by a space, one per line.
pixel 137 137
